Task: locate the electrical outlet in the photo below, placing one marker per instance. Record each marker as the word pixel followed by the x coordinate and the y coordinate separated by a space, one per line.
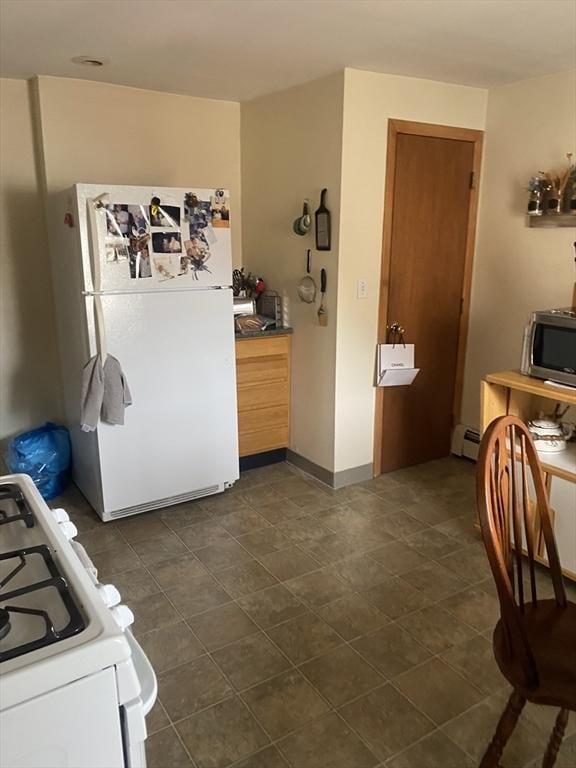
pixel 361 289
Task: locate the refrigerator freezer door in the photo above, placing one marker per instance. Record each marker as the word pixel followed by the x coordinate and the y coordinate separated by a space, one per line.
pixel 180 435
pixel 182 242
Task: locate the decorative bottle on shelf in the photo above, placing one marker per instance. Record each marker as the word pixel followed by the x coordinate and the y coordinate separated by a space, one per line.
pixel 569 187
pixel 554 200
pixel 571 194
pixel 535 203
pixel 537 189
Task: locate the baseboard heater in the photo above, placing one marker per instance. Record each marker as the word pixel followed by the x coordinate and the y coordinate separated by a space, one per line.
pixel 466 442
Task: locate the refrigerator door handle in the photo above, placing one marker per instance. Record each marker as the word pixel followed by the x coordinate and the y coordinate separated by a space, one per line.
pixel 93 205
pixel 184 289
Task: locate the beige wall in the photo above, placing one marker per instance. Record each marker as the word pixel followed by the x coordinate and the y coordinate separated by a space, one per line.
pixel 29 390
pixel 109 134
pixel 89 132
pixel 370 100
pixel 291 148
pixel 530 127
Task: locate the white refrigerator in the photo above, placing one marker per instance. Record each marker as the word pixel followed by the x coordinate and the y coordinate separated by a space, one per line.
pixel 144 274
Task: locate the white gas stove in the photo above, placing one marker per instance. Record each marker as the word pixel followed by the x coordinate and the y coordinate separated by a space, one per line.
pixel 75 686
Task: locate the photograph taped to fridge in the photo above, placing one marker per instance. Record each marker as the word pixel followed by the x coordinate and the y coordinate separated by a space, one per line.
pixel 118 220
pixel 197 254
pixel 123 220
pixel 220 209
pixel 139 217
pixel 198 214
pixel 166 242
pixel 202 216
pixel 165 216
pixel 140 254
pixel 140 263
pixel 117 249
pixel 165 267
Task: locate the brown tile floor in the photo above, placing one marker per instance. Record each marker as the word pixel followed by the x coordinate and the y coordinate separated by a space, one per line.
pixel 293 625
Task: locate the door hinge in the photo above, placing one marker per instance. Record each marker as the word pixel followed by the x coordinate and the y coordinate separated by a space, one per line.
pixel 461 305
pixel 472 180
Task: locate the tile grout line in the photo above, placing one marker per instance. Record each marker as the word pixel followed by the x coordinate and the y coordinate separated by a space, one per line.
pixel 321 567
pixel 332 708
pixel 233 600
pixel 239 693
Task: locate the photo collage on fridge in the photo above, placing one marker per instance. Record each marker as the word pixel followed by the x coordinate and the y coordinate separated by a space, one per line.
pixel 166 242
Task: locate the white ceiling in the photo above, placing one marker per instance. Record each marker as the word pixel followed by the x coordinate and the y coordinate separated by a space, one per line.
pixel 239 49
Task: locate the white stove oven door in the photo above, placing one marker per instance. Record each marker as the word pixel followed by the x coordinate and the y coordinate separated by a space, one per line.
pixel 77 726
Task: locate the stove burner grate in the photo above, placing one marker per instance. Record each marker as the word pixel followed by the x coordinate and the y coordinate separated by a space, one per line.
pixel 57 581
pixel 4 623
pixel 13 492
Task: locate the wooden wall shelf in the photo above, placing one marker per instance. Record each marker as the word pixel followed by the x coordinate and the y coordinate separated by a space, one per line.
pixel 538 387
pixel 552 220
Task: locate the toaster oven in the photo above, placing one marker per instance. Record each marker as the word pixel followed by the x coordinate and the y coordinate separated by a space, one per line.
pixel 270 305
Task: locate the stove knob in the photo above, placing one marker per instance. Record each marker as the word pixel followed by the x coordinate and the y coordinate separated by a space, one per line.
pixel 109 594
pixel 68 529
pixel 60 515
pixel 123 616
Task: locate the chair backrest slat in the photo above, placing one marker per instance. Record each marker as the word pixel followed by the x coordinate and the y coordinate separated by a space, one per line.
pixel 508 471
pixel 516 519
pixel 528 519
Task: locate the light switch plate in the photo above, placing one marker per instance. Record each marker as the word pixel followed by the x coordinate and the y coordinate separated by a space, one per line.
pixel 361 289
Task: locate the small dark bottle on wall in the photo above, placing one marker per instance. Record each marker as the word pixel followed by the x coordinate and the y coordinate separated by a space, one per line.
pixel 535 203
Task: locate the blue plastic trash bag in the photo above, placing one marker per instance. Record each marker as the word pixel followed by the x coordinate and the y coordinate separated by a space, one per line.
pixel 44 454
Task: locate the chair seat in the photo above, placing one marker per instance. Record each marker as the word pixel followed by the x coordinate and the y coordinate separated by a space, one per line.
pixel 551 634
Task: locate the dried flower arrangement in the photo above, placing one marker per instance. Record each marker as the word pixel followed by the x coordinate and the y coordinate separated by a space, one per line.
pixel 552 192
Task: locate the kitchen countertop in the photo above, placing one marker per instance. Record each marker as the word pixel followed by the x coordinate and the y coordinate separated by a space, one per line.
pixel 268 332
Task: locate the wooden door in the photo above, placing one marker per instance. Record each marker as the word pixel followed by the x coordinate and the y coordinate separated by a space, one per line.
pixel 428 248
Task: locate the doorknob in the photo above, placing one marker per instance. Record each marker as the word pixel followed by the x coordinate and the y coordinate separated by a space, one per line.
pixel 396 331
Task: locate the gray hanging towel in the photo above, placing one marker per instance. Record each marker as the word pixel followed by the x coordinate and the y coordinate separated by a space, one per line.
pixel 105 393
pixel 92 394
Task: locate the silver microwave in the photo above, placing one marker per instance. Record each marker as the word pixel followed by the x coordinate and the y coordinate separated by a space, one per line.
pixel 549 350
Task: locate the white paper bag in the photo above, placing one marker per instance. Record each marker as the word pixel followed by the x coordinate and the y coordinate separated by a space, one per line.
pixel 396 365
pixel 395 356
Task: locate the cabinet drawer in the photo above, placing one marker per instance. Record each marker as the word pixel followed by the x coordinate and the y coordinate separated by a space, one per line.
pixel 263 395
pixel 263 370
pixel 269 345
pixel 262 418
pixel 267 440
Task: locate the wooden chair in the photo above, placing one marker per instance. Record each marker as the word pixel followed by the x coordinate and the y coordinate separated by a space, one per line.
pixel 534 640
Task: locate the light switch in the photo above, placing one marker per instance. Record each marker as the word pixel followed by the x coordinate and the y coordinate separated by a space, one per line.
pixel 361 289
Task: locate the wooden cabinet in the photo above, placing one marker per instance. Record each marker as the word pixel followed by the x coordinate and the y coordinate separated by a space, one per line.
pixel 263 387
pixel 509 392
